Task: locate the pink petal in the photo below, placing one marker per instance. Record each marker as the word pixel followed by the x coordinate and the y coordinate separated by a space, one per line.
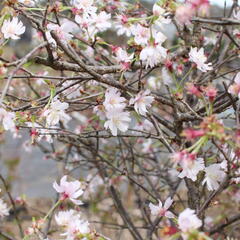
pixel 57 187
pixel 169 214
pixel 168 203
pixel 77 202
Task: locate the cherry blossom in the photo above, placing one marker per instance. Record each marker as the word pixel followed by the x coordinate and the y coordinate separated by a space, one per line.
pixel 75 228
pixel 12 28
pixel 73 224
pixel 117 120
pixel 188 220
pixel 69 190
pixel 62 31
pixel 141 34
pixel 162 210
pixel 113 99
pixel 198 57
pixel 63 218
pixel 85 5
pixel 102 21
pixel 4 210
pixel 56 113
pixel 184 13
pixel 123 26
pixel 235 88
pixel 111 103
pixel 7 119
pixel 141 102
pixel 213 176
pixel 191 168
pixel 152 55
pixel 123 57
pixel 190 164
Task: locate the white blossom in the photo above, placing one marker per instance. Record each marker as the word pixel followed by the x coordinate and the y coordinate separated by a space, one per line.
pixel 76 227
pixel 141 34
pixel 7 119
pixel 4 210
pixel 162 210
pixel 113 99
pixel 72 223
pixel 62 31
pixel 102 21
pixel 213 176
pixel 12 28
pixel 56 112
pixel 152 55
pixel 122 56
pixel 117 120
pixel 141 102
pixel 85 5
pixel 191 168
pixel 64 217
pixel 199 58
pixel 69 189
pixel 122 26
pixel 188 220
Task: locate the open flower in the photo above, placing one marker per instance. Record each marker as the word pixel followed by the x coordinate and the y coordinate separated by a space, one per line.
pixel 162 210
pixel 190 164
pixel 188 220
pixel 56 112
pixel 113 99
pixel 198 57
pixel 7 119
pixel 102 21
pixel 117 119
pixel 64 217
pixel 63 31
pixel 72 223
pixel 141 34
pixel 152 55
pixel 4 210
pixel 71 190
pixel 191 168
pixel 12 28
pixel 141 102
pixel 235 88
pixel 123 58
pixel 75 228
pixel 213 176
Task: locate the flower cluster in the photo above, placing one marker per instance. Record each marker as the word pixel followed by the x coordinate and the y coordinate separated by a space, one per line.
pixel 116 117
pixel 191 166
